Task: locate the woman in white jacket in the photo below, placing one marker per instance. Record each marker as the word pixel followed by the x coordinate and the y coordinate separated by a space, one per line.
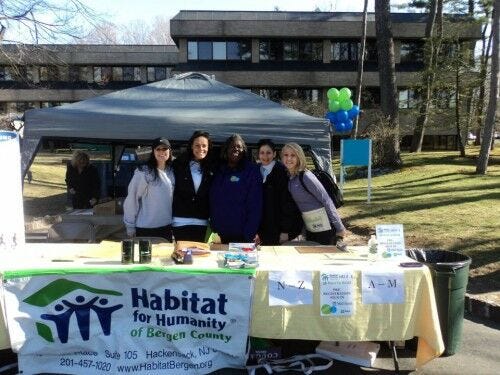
pixel 147 210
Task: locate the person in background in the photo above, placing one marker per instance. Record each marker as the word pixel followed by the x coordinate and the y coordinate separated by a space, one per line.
pixel 281 219
pixel 193 173
pixel 147 210
pixel 82 181
pixel 236 194
pixel 320 216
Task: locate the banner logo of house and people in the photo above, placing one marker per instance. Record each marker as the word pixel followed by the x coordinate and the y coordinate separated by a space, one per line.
pixel 342 111
pixel 66 309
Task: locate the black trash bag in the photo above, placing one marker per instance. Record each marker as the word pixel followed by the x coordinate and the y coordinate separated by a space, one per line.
pixel 440 260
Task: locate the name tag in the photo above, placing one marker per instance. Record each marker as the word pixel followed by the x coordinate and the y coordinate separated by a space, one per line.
pixel 316 220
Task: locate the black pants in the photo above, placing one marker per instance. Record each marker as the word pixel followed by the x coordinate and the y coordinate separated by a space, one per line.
pixel 164 232
pixel 195 233
pixel 323 238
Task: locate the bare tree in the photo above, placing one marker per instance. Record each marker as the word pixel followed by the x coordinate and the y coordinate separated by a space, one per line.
pixel 482 162
pixel 431 51
pixel 387 77
pixel 102 33
pixel 361 61
pixel 160 31
pixel 43 21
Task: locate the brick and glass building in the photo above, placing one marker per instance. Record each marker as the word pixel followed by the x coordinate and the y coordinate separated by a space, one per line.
pixel 279 55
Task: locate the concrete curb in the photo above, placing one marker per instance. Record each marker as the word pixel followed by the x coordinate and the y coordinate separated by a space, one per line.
pixel 482 309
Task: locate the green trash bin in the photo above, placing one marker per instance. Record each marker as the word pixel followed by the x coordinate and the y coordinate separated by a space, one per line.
pixel 450 274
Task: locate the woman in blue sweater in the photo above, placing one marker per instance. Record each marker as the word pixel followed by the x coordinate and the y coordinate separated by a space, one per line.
pixel 236 194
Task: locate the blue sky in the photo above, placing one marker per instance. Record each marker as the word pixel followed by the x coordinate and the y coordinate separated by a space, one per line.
pixel 123 11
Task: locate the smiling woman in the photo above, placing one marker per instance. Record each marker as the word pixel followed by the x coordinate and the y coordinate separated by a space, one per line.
pixel 236 194
pixel 147 210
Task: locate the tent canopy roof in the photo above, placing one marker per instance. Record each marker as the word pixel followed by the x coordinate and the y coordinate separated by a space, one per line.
pixel 174 108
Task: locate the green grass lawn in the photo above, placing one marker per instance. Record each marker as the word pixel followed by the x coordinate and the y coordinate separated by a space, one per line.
pixel 439 200
pixel 436 196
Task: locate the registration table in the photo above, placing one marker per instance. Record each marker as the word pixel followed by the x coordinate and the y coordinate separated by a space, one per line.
pixel 416 316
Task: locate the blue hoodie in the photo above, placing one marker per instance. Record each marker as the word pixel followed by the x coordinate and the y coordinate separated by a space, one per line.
pixel 236 201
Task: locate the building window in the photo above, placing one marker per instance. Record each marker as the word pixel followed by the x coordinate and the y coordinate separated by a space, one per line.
pixel 345 51
pixel 117 73
pixel 408 98
pixel 157 73
pixel 103 74
pixel 49 73
pixel 291 50
pixel 83 73
pixel 220 50
pixel 310 51
pixel 131 73
pixel 205 51
pixel 192 50
pixel 411 52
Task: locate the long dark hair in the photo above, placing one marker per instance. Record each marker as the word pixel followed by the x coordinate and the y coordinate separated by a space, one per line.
pixel 152 164
pixel 266 142
pixel 206 163
pixel 227 144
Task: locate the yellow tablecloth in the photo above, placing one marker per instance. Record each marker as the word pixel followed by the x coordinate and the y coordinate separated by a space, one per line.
pixel 370 322
pixel 416 317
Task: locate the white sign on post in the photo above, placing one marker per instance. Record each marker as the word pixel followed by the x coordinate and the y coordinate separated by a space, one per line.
pixel 391 240
pixel 382 286
pixel 287 288
pixel 336 290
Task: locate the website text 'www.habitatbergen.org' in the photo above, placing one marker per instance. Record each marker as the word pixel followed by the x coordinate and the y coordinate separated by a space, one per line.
pixel 168 365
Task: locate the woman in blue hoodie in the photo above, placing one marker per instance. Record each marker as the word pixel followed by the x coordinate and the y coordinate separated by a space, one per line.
pixel 236 194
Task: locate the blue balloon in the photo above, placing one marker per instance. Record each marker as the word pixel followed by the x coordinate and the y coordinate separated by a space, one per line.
pixel 331 116
pixel 340 127
pixel 342 116
pixel 353 112
pixel 349 125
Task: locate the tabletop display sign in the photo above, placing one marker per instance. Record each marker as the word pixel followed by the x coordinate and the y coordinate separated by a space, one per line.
pixel 289 288
pixel 381 286
pixel 11 199
pixel 336 291
pixel 138 322
pixel 391 240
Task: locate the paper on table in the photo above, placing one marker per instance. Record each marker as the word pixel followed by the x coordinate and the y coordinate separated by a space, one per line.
pixel 288 288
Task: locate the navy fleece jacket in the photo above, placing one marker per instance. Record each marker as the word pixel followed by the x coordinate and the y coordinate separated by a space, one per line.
pixel 236 201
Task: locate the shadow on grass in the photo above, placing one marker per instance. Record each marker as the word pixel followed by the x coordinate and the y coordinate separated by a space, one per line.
pixel 51 205
pixel 489 282
pixel 36 182
pixel 378 209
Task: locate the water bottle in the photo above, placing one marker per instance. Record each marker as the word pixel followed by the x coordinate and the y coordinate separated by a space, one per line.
pixel 372 248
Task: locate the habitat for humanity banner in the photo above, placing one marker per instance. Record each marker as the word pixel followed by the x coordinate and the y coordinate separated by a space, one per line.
pixel 139 322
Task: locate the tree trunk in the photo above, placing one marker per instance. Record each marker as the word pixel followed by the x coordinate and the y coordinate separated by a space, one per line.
pixel 387 77
pixel 361 62
pixel 469 105
pixel 460 144
pixel 483 72
pixel 482 162
pixel 428 78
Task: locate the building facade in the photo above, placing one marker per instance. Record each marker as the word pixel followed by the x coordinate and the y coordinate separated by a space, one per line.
pixel 279 55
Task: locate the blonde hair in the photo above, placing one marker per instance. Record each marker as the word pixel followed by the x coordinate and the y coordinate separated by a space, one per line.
pixel 301 157
pixel 80 157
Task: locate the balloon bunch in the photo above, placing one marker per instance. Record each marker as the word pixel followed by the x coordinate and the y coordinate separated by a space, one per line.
pixel 341 109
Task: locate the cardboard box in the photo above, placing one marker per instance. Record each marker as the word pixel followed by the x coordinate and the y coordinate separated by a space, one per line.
pixel 361 353
pixel 112 207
